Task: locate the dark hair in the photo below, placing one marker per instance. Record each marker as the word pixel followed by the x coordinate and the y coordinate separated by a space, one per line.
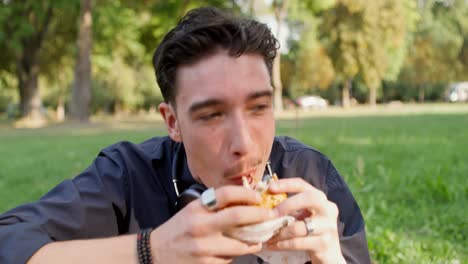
pixel 203 31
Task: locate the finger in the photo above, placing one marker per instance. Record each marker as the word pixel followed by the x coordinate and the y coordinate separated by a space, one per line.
pixel 297 243
pixel 298 229
pixel 241 215
pixel 232 195
pixel 308 243
pixel 227 218
pixel 290 185
pixel 221 246
pixel 214 260
pixel 314 201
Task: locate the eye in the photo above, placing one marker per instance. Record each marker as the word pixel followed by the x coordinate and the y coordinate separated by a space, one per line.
pixel 210 116
pixel 258 108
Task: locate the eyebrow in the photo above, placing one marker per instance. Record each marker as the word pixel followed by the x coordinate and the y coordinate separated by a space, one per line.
pixel 213 102
pixel 258 94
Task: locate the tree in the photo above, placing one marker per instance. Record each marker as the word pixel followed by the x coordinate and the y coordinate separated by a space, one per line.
pixel 118 54
pixel 126 35
pixel 384 34
pixel 28 36
pixel 81 90
pixel 337 31
pixel 160 16
pixel 435 54
pixel 57 58
pixel 307 62
pixel 358 36
pixel 27 26
pixel 280 8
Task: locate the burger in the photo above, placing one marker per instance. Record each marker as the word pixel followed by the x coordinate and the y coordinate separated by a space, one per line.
pixel 262 232
pixel 269 200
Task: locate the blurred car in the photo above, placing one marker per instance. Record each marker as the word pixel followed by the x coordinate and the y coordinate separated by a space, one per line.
pixel 311 102
pixel 458 92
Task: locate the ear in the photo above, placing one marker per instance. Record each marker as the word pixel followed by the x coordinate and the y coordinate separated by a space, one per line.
pixel 170 119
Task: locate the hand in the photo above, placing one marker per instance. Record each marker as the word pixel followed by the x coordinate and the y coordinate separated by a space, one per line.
pixel 195 234
pixel 322 245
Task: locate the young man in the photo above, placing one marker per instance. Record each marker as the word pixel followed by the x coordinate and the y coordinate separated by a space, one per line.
pixel 214 71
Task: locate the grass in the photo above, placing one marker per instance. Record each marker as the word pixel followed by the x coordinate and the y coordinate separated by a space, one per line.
pixel 407 169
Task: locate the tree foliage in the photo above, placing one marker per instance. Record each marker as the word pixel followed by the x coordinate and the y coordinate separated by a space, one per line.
pixel 307 66
pixel 438 50
pixel 27 26
pixel 362 37
pixel 413 47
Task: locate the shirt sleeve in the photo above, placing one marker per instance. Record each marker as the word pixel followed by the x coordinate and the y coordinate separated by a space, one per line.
pixel 351 223
pixel 89 206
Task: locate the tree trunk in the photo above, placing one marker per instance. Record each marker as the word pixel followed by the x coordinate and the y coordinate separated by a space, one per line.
pixel 421 93
pixel 60 111
pixel 27 69
pixel 81 91
pixel 278 86
pixel 345 93
pixel 280 9
pixel 30 101
pixel 372 96
pixel 252 8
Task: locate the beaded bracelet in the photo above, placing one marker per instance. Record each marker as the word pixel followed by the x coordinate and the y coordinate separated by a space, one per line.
pixel 143 246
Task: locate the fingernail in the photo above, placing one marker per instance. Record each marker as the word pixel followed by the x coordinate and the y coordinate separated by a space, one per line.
pixel 273 185
pixel 273 213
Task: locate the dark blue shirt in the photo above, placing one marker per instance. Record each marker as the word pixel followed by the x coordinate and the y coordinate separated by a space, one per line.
pixel 129 187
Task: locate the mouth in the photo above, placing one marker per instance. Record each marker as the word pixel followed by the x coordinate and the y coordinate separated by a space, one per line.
pixel 248 175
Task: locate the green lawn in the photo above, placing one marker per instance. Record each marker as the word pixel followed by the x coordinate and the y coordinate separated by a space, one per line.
pixel 407 171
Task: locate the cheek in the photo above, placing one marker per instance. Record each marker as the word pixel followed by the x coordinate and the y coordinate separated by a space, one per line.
pixel 204 140
pixel 203 151
pixel 267 136
pixel 265 130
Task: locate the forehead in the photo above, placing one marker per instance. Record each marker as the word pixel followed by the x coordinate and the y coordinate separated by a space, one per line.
pixel 221 76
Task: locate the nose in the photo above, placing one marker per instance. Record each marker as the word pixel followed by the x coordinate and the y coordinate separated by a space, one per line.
pixel 241 136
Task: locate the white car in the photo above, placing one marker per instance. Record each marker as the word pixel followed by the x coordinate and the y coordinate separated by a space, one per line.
pixel 312 102
pixel 458 92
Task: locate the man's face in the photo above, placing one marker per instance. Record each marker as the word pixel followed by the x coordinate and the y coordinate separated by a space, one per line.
pixel 224 117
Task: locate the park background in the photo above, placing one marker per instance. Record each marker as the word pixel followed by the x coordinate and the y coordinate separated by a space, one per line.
pixel 76 76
